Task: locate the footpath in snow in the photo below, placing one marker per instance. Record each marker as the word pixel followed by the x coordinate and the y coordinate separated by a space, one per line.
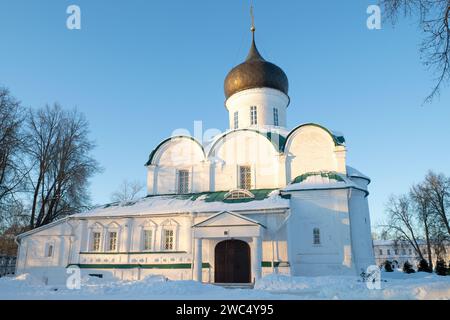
pixel 395 285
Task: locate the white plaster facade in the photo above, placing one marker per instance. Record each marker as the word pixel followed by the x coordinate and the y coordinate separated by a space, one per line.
pixel 285 200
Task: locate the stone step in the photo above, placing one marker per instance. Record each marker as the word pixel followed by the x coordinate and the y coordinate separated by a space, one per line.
pixel 235 285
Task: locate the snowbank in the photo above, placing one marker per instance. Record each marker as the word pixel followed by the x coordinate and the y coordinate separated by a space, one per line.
pixel 395 285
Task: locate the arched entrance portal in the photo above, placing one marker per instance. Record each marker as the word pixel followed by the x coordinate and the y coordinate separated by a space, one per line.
pixel 232 262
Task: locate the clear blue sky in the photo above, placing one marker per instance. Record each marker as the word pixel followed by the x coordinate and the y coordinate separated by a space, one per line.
pixel 140 69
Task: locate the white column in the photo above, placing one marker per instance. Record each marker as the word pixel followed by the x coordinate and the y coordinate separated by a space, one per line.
pixel 198 260
pixel 126 235
pixel 83 237
pixel 256 258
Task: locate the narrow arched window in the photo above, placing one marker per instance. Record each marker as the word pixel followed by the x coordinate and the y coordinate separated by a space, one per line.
pixel 316 236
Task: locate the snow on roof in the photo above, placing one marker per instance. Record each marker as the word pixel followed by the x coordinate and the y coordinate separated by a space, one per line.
pixel 201 202
pixel 321 180
pixel 239 216
pixel 336 133
pixel 352 172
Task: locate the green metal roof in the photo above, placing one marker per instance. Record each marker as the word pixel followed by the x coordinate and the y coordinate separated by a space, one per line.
pixel 329 174
pixel 219 196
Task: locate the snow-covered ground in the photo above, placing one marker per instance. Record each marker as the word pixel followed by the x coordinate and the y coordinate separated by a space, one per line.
pixel 395 285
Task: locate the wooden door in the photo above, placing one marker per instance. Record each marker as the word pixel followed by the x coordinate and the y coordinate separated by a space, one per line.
pixel 232 262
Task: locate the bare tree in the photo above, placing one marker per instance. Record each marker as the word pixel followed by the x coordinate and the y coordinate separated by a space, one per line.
pixel 15 221
pixel 433 16
pixel 402 224
pixel 128 191
pixel 425 216
pixel 11 145
pixel 60 161
pixel 437 188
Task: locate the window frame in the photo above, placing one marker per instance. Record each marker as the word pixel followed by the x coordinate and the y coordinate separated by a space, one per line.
pixel 93 246
pixel 236 194
pixel 253 115
pixel 109 248
pixel 276 118
pixel 248 179
pixel 144 239
pixel 236 120
pixel 163 238
pixel 316 237
pixel 187 180
pixel 49 250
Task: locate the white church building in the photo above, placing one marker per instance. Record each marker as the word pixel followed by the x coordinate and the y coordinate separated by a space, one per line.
pixel 255 200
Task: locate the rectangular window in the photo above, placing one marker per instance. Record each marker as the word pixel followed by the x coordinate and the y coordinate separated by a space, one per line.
pixel 112 241
pixel 168 240
pixel 96 236
pixel 381 252
pixel 275 117
pixel 388 252
pixel 148 237
pixel 183 181
pixel 316 236
pixel 236 120
pixel 253 115
pixel 245 177
pixel 396 251
pixel 410 251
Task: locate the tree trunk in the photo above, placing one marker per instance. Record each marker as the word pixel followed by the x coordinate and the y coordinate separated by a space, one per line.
pixel 427 237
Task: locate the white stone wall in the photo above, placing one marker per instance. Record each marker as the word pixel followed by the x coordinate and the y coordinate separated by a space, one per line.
pixel 73 245
pixel 360 230
pixel 328 211
pixel 265 99
pixel 309 148
pixel 33 253
pixel 245 148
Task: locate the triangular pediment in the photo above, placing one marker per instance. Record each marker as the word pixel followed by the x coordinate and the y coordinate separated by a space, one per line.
pixel 226 218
